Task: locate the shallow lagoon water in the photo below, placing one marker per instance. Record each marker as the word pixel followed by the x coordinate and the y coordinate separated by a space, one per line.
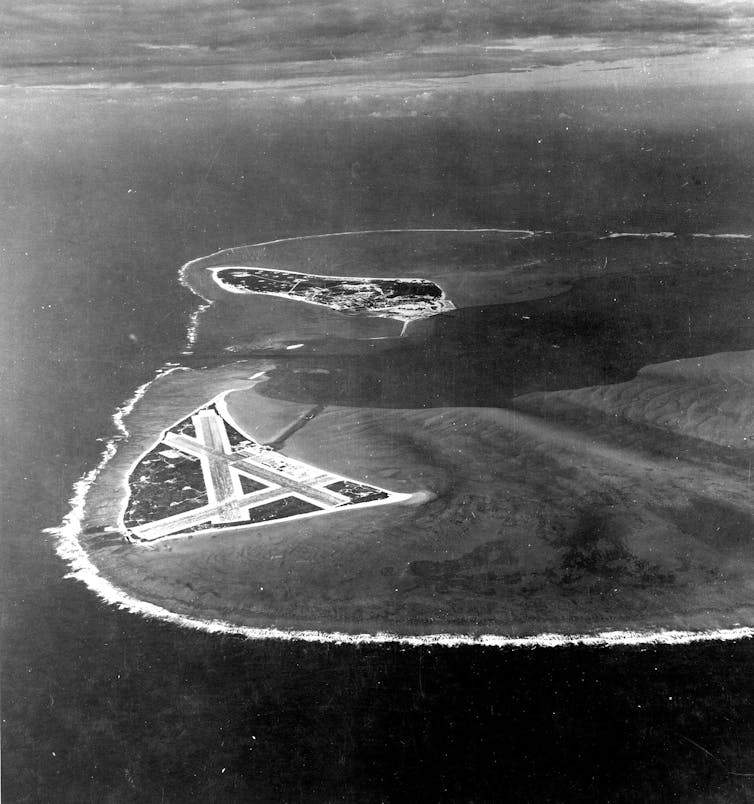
pixel 105 705
pixel 546 532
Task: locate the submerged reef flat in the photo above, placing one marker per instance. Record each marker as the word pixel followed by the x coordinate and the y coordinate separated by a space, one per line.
pixel 565 450
pixel 359 287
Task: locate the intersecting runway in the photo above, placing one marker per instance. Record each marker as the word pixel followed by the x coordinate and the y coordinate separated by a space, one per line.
pixel 222 465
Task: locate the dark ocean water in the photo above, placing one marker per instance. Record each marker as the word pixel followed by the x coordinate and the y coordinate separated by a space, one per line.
pixel 105 198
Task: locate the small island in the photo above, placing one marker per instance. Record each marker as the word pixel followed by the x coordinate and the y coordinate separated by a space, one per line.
pixel 207 475
pixel 404 299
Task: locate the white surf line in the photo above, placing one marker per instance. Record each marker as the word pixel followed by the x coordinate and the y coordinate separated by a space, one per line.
pixel 724 236
pixel 68 539
pixel 69 548
pixel 191 335
pixel 667 235
pixel 643 235
pixel 127 407
pixel 83 570
pixel 192 330
pixel 193 327
pixel 525 233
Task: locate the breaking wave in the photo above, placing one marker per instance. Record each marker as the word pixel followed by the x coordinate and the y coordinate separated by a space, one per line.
pixel 70 549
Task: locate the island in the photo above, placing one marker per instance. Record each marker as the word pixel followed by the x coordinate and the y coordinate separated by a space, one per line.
pixel 403 299
pixel 558 447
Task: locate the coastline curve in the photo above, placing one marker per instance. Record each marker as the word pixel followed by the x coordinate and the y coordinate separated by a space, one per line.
pixel 70 548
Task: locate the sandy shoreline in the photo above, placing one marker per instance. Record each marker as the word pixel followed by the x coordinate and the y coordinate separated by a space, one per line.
pixel 284 576
pixel 527 529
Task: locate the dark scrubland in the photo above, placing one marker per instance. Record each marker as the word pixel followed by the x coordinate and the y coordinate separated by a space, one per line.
pixel 297 284
pixel 163 486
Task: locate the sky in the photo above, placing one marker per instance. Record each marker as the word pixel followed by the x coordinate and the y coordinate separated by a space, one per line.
pixel 169 37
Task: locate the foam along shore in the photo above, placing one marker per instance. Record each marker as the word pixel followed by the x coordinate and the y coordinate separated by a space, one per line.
pixel 111 589
pixel 724 236
pixel 436 562
pixel 641 235
pixel 71 550
pixel 405 277
pixel 535 526
pixel 453 269
pixel 667 235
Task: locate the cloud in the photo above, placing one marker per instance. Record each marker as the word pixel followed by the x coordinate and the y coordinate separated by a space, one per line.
pixel 268 31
